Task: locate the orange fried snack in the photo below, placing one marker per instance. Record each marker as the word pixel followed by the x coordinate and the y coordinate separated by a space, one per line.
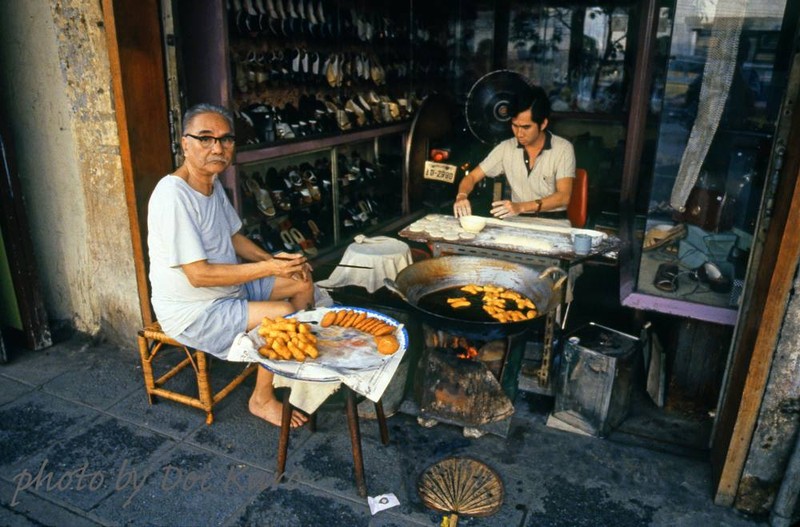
pixel 387 344
pixel 287 339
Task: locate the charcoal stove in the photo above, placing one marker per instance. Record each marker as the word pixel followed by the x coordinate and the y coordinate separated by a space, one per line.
pixel 475 390
pixel 467 382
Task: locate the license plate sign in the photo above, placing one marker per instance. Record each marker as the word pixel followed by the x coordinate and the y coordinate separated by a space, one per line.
pixel 440 172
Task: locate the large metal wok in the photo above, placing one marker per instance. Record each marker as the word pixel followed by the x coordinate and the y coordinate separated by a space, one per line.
pixel 429 276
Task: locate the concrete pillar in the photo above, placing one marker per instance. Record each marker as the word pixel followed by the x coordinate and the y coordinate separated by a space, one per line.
pixel 56 89
pixel 778 421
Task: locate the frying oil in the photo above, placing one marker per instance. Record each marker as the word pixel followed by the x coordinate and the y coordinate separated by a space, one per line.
pixel 436 303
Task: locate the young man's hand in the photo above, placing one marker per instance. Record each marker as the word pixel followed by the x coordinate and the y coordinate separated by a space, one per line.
pixel 505 209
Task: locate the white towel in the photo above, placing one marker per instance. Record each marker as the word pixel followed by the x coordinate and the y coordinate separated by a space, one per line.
pixel 375 259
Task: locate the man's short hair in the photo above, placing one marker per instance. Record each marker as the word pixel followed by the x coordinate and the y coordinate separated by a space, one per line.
pixel 534 99
pixel 205 107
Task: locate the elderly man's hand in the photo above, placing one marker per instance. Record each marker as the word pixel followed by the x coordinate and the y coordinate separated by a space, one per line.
pixel 291 265
pixel 504 209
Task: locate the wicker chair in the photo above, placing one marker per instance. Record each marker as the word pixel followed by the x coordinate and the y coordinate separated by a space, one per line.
pixel 151 343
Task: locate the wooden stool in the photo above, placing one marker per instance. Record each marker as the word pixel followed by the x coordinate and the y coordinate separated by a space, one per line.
pixel 151 341
pixel 352 424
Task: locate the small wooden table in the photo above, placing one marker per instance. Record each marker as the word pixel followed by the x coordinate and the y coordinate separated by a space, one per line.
pixel 352 425
pixel 347 356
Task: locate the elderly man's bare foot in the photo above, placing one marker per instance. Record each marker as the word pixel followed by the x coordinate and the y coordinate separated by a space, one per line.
pixel 271 410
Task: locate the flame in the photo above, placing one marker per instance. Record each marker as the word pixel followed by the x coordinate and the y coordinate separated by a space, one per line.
pixel 468 353
pixel 441 339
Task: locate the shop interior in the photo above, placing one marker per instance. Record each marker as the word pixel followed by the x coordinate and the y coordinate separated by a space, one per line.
pixel 339 105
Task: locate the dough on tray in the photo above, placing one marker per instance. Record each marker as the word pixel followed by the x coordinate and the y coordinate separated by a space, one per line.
pixel 524 241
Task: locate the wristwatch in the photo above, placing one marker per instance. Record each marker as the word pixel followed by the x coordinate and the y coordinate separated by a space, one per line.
pixel 538 206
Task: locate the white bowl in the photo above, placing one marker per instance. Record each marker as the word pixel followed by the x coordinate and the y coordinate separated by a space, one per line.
pixel 472 223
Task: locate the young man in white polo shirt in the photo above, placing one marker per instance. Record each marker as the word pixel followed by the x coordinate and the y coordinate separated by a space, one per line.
pixel 539 166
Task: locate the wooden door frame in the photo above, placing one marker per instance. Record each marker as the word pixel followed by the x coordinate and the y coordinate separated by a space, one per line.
pixel 135 52
pixel 763 313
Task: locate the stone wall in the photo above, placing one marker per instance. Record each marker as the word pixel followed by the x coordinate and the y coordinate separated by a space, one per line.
pixel 778 421
pixel 56 89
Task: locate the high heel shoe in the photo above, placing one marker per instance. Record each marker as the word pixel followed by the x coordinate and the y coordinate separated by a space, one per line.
pixel 360 116
pixel 271 9
pixel 262 197
pixel 310 180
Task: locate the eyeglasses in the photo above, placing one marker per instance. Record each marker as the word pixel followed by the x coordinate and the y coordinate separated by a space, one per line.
pixel 207 141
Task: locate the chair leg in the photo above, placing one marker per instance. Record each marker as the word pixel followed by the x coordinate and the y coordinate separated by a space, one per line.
pixel 355 440
pixel 283 442
pixel 382 422
pixel 203 386
pixel 147 368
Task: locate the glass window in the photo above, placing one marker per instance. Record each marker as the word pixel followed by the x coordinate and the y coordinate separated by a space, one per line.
pixel 577 53
pixel 721 95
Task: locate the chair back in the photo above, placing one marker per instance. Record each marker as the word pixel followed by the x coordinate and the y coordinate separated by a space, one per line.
pixel 577 210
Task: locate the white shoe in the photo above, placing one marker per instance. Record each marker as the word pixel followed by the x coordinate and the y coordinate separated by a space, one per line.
pixel 310 13
pixel 271 9
pixel 320 14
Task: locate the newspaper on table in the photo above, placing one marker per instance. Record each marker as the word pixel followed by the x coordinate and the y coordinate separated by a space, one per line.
pixel 345 354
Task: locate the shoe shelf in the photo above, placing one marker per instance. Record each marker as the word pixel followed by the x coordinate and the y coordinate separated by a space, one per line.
pixel 316 200
pixel 310 68
pixel 248 153
pixel 323 93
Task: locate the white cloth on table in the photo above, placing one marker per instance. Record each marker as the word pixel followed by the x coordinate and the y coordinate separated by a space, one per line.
pixel 306 395
pixel 384 257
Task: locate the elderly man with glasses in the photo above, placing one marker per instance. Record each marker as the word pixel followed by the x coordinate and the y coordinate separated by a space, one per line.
pixel 209 281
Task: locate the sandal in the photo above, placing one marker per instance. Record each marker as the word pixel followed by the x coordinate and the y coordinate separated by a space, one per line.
pixel 261 197
pixel 283 203
pixel 311 184
pixel 288 242
pixel 305 196
pixel 666 278
pixel 661 235
pixel 315 230
pixel 306 244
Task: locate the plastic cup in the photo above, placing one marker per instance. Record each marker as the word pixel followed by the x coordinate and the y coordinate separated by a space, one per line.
pixel 582 243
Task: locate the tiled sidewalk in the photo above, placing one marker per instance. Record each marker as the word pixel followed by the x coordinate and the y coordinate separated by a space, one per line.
pixel 79 445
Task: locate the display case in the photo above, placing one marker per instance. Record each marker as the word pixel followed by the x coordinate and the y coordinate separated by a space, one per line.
pixel 314 196
pixel 717 144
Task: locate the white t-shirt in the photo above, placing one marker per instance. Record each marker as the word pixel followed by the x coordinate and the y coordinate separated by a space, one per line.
pixel 185 226
pixel 554 162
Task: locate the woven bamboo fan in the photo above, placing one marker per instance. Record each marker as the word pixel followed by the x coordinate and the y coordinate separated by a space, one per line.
pixel 461 486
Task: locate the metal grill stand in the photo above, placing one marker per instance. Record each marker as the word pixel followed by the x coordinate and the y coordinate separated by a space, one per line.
pixel 544 372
